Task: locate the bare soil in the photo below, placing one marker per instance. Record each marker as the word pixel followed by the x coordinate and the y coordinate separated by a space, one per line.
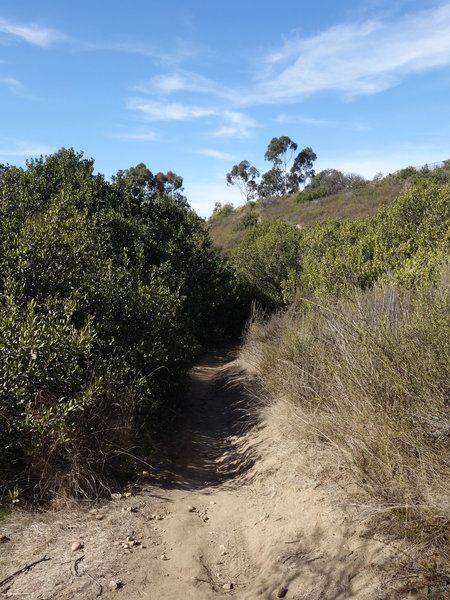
pixel 228 515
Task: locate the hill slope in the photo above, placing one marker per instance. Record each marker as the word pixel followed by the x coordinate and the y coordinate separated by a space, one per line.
pixel 227 227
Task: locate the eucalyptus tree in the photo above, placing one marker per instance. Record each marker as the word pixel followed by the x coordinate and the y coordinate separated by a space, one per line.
pixel 244 176
pixel 283 179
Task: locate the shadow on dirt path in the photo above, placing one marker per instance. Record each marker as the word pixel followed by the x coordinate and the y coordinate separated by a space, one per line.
pixel 205 451
pixel 218 518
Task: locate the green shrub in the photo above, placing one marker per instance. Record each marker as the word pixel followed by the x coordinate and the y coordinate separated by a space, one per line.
pixel 106 291
pixel 406 242
pixel 413 234
pixel 310 193
pixel 250 219
pixel 222 212
pixel 266 259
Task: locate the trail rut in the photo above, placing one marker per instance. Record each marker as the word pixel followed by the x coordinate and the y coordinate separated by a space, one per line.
pixel 225 521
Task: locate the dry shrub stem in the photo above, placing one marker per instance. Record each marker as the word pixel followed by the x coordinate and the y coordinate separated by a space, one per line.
pixel 366 380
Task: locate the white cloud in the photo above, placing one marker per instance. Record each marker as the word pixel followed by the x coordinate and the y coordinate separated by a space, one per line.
pixel 369 164
pixel 358 58
pixel 235 124
pixel 14 86
pixel 302 120
pixel 202 196
pixel 184 81
pixel 181 51
pixel 32 33
pixel 353 59
pixel 215 154
pixel 23 148
pixel 138 136
pixel 174 111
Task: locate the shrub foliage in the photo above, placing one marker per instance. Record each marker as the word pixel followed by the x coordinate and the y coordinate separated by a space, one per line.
pixel 406 242
pixel 106 290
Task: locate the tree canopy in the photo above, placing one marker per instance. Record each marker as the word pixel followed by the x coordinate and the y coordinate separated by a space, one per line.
pixel 288 173
pixel 244 176
pixel 107 288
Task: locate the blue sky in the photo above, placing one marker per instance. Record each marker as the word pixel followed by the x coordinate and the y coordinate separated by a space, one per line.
pixel 197 86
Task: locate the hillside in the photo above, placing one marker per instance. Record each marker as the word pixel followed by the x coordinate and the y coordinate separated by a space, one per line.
pixel 227 228
pixel 310 461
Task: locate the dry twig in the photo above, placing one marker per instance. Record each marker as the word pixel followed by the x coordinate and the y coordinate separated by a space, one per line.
pixel 22 570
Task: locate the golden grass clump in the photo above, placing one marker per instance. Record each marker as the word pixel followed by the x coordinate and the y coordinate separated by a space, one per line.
pixel 366 379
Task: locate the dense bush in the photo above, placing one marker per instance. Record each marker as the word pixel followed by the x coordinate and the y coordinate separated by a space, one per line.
pixel 267 260
pixel 329 182
pixel 220 212
pixel 250 219
pixel 405 242
pixel 106 290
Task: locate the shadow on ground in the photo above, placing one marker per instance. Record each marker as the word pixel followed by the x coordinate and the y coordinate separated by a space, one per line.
pixel 205 448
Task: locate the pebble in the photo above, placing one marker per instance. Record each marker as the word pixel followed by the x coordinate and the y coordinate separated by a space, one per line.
pixel 100 517
pixel 191 508
pixel 113 585
pixel 127 494
pixel 227 586
pixel 145 473
pixel 76 546
pixel 116 496
pixel 212 502
pixel 163 557
pixel 281 592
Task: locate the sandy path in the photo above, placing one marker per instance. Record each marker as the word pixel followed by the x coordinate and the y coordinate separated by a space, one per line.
pixel 253 529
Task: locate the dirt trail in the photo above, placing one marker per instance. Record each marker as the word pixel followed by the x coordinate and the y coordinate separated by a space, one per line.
pixel 228 525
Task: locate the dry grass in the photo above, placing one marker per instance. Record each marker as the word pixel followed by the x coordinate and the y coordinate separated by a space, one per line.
pixel 67 574
pixel 363 202
pixel 366 382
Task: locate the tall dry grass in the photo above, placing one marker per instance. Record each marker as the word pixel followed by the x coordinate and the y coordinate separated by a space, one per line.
pixel 366 380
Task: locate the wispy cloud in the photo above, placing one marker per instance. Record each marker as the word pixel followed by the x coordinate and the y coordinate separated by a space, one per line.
pixel 137 136
pixel 174 111
pixel 236 124
pixel 13 85
pixel 179 50
pixel 356 58
pixel 214 154
pixel 16 88
pixel 232 123
pixel 302 120
pixel 23 148
pixel 30 33
pixel 183 81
